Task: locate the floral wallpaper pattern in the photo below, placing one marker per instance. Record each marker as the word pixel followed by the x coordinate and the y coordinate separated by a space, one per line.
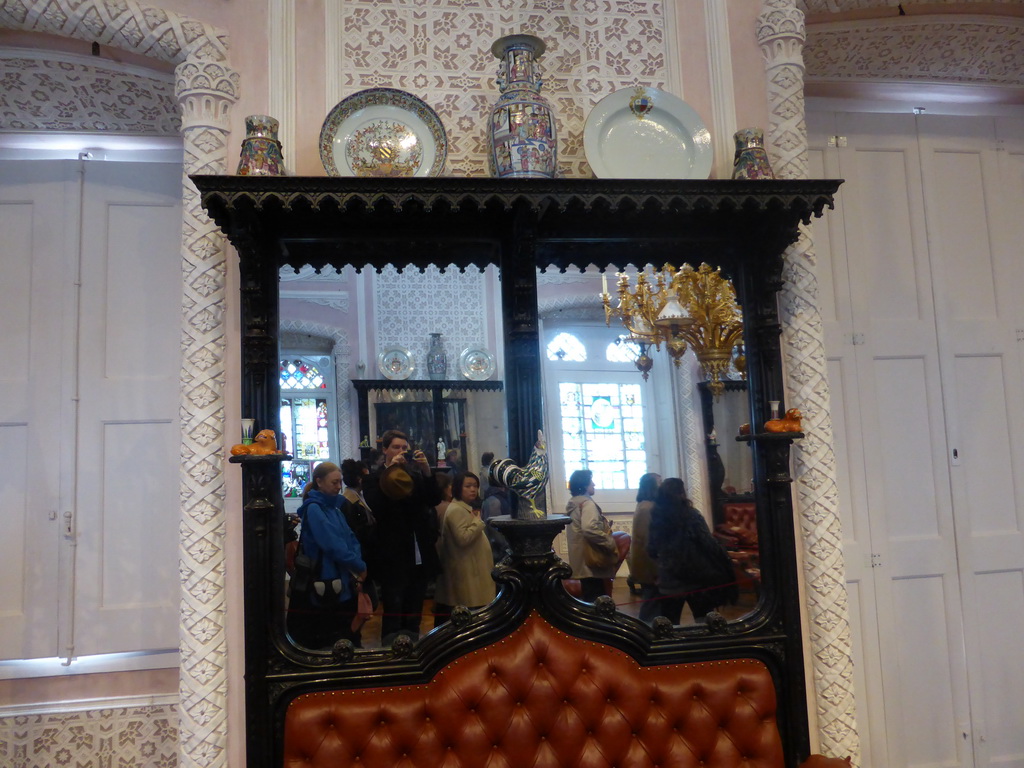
pixel 114 737
pixel 440 51
pixel 64 92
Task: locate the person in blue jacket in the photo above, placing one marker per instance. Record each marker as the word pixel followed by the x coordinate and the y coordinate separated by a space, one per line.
pixel 329 568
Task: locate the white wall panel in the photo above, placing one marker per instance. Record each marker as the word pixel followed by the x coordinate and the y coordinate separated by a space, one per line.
pixel 14 511
pixel 127 492
pixel 16 224
pixel 137 301
pixel 965 251
pixel 1001 674
pixel 35 264
pixel 884 200
pixel 905 440
pixel 925 678
pixel 984 449
pixel 134 573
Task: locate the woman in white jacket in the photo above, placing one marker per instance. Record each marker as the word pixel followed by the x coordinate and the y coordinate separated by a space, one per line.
pixel 588 527
pixel 466 560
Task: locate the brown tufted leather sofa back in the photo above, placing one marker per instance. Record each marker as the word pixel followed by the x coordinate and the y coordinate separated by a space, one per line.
pixel 543 699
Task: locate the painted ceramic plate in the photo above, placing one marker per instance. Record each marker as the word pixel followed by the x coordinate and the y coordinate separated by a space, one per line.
pixel 383 132
pixel 644 133
pixel 476 364
pixel 395 363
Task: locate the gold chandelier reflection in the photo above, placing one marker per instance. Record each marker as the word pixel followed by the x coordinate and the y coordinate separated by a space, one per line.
pixel 683 308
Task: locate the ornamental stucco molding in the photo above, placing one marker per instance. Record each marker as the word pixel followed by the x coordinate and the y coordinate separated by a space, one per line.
pixel 205 90
pixel 838 6
pixel 781 35
pixel 58 91
pixel 969 50
pixel 125 24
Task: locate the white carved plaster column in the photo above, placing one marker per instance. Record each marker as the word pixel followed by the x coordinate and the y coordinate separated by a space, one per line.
pixel 205 90
pixel 781 35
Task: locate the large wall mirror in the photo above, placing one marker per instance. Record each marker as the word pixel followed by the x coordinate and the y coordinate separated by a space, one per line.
pixel 569 228
pixel 587 357
pixel 354 346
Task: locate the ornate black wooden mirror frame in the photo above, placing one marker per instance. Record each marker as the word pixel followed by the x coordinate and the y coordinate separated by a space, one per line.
pixel 519 225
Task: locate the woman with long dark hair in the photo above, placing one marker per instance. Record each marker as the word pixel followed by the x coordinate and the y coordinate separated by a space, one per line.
pixel 693 568
pixel 329 569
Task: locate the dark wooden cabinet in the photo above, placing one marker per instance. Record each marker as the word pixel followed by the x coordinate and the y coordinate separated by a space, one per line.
pixel 442 416
pixel 521 226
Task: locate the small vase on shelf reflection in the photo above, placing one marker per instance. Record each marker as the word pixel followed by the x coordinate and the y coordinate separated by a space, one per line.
pixel 751 160
pixel 437 359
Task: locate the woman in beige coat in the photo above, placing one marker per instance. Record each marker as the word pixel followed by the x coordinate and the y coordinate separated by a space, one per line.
pixel 466 560
pixel 588 525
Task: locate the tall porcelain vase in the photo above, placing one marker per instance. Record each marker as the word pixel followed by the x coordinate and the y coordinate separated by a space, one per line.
pixel 523 141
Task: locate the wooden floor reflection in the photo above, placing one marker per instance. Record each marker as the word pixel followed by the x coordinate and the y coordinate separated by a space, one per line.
pixel 626 601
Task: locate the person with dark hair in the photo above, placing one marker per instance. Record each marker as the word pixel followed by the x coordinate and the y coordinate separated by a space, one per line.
pixel 486 459
pixel 323 592
pixel 496 503
pixel 466 561
pixel 589 528
pixel 402 494
pixel 693 567
pixel 361 520
pixel 642 569
pixel 444 482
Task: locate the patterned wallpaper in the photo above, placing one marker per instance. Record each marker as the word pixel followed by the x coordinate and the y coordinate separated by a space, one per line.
pixel 409 306
pixel 969 51
pixel 439 50
pixel 114 737
pixel 65 92
pixel 839 6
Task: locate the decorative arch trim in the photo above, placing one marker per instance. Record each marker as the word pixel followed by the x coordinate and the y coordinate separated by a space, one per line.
pixel 131 26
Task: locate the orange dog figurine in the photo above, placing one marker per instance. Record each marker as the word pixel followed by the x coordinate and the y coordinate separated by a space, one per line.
pixel 790 423
pixel 264 444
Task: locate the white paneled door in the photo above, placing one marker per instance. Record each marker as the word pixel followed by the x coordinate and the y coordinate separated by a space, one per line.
pixel 918 284
pixel 91 295
pixel 35 260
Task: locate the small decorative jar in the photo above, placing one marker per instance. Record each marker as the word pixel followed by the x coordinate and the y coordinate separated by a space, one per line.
pixel 751 161
pixel 522 128
pixel 261 151
pixel 437 359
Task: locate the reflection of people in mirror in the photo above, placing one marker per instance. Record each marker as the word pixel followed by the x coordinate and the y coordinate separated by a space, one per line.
pixel 693 567
pixel 642 569
pixel 329 567
pixel 466 560
pixel 402 495
pixel 588 527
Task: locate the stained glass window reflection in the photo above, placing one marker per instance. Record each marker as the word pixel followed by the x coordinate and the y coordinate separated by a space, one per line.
pixel 306 410
pixel 622 351
pixel 300 374
pixel 565 347
pixel 603 431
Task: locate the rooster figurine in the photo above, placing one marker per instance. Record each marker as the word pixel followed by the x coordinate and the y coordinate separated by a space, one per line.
pixel 527 482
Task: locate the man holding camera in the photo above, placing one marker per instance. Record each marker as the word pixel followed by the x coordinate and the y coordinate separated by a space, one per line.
pixel 402 494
